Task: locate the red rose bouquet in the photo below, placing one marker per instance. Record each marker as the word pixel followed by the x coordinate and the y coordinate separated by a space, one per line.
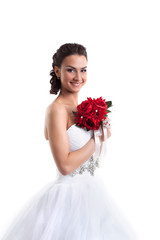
pixel 91 113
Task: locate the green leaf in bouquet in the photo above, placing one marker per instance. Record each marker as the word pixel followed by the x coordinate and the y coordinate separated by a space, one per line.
pixel 109 104
pixel 108 110
pixel 74 112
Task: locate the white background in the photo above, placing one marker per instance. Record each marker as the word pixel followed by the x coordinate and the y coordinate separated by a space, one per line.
pixel 122 40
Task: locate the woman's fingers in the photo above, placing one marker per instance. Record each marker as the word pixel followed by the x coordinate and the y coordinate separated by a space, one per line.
pixel 107 123
pixel 108 132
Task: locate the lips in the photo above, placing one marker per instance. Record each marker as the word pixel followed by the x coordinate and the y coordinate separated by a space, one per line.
pixel 76 84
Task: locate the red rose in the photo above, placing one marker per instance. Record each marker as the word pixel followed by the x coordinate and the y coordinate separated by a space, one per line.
pixel 85 108
pixel 92 123
pixel 91 112
pixel 100 107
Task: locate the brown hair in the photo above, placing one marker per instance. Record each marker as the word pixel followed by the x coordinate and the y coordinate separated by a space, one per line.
pixel 64 51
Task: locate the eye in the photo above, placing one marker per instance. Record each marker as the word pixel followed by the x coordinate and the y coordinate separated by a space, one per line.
pixel 84 70
pixel 70 69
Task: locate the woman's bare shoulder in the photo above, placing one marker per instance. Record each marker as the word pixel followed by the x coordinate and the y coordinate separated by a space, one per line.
pixel 55 113
pixel 55 107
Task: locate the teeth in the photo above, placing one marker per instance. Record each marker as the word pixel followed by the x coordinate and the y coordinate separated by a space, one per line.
pixel 76 84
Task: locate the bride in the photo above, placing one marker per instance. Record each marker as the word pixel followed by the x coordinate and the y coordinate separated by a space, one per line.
pixel 76 204
pixel 69 75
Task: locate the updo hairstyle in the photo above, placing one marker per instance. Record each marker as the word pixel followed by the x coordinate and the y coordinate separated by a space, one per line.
pixel 64 51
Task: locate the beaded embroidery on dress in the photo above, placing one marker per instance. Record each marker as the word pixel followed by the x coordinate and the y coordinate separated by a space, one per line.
pixel 76 206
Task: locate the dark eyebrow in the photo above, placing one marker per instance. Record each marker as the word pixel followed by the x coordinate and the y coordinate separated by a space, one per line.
pixel 74 67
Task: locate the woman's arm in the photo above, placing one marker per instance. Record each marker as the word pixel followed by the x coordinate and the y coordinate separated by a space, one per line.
pixel 78 157
pixel 66 161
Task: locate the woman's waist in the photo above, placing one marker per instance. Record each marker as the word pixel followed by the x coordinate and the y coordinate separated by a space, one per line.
pixel 76 176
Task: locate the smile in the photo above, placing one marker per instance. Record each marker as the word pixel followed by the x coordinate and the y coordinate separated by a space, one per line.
pixel 75 84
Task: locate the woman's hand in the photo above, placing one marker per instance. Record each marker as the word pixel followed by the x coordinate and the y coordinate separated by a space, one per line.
pixel 107 128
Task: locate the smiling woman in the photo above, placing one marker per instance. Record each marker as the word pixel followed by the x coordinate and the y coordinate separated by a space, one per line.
pixel 64 60
pixel 72 72
pixel 76 205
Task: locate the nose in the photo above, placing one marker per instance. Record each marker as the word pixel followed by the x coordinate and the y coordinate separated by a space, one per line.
pixel 78 76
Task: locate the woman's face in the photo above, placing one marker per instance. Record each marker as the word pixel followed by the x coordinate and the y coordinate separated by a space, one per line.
pixel 73 72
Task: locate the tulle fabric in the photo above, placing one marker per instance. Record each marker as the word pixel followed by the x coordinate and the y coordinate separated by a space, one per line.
pixel 71 208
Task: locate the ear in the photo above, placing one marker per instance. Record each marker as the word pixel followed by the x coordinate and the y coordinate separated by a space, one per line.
pixel 57 71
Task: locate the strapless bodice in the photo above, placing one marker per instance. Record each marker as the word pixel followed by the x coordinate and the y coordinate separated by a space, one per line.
pixel 78 137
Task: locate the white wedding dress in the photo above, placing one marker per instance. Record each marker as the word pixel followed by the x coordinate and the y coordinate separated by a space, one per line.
pixel 72 207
